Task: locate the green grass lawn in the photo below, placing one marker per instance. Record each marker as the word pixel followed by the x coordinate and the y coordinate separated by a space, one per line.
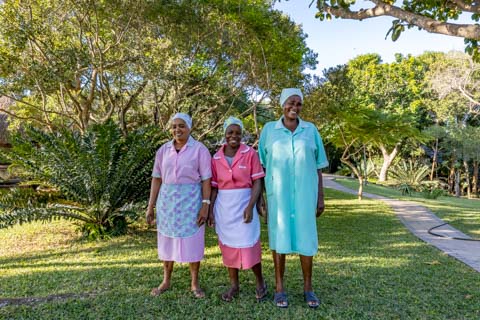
pixel 368 267
pixel 461 213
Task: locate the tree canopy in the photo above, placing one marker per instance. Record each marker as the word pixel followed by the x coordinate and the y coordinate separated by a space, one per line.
pixel 72 63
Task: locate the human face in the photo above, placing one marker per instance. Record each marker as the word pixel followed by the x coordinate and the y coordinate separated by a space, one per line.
pixel 180 130
pixel 233 135
pixel 292 107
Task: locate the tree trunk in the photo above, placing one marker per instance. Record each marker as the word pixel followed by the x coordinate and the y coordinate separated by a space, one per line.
pixel 434 160
pixel 387 161
pixel 457 183
pixel 451 178
pixel 360 187
pixel 357 173
pixel 467 178
pixel 475 178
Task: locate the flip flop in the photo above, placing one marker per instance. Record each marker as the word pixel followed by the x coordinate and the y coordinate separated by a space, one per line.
pixel 198 293
pixel 228 295
pixel 157 291
pixel 280 299
pixel 311 299
pixel 261 294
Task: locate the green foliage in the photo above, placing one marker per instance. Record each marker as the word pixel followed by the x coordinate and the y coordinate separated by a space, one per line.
pixel 94 178
pixel 69 65
pixel 409 175
pixel 432 193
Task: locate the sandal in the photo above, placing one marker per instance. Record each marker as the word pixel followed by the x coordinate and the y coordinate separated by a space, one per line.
pixel 157 291
pixel 231 293
pixel 280 299
pixel 198 293
pixel 261 294
pixel 311 299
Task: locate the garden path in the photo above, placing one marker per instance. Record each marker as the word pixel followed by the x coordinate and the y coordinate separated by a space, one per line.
pixel 418 219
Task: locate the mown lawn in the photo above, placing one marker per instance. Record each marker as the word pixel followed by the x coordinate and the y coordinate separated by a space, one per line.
pixel 461 213
pixel 368 267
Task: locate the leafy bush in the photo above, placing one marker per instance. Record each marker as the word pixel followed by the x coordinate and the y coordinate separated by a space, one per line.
pixel 405 188
pixel 409 175
pixel 94 178
pixel 433 189
pixel 433 193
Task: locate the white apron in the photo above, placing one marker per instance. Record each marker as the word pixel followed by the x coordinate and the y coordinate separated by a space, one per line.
pixel 229 225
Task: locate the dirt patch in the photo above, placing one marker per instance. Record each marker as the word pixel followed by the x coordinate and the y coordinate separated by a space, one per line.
pixel 30 301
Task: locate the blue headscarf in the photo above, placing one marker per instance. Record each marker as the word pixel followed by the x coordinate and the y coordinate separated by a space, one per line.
pixel 185 117
pixel 287 93
pixel 232 120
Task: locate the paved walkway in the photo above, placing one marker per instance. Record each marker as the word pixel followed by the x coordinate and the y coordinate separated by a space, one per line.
pixel 419 220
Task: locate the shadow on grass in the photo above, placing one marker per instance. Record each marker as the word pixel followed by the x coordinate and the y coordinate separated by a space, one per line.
pixel 368 266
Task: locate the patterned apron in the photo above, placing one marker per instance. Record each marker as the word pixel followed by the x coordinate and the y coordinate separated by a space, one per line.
pixel 177 209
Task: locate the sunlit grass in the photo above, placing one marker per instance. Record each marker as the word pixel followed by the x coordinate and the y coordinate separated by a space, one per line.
pixel 461 213
pixel 368 267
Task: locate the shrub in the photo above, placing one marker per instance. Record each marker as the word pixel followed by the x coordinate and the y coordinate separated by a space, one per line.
pixel 433 193
pixel 409 175
pixel 94 178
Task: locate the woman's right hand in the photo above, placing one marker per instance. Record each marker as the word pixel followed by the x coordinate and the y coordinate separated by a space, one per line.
pixel 150 216
pixel 262 206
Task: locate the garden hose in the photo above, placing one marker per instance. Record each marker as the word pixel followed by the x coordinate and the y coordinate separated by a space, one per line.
pixel 447 237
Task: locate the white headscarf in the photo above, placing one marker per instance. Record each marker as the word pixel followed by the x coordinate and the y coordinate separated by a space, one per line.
pixel 232 120
pixel 287 93
pixel 185 117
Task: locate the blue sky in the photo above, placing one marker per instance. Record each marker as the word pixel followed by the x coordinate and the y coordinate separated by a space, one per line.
pixel 338 41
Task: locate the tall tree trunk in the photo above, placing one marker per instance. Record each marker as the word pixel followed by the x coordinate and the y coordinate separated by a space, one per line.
pixel 434 160
pixel 451 177
pixel 387 161
pixel 467 178
pixel 475 178
pixel 457 183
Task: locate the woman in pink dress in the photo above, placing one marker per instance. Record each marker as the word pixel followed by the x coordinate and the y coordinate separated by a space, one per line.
pixel 180 191
pixel 236 182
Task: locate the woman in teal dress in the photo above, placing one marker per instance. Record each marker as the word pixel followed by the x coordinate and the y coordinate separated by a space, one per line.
pixel 292 153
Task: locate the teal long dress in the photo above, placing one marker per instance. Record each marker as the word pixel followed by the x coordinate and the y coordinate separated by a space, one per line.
pixel 291 160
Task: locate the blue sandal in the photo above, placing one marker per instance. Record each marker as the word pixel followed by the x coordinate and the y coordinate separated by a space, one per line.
pixel 280 299
pixel 311 299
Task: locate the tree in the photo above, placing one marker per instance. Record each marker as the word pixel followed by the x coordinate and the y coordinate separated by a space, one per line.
pixel 455 76
pixel 394 89
pixel 430 15
pixel 73 63
pixel 349 123
pixel 453 80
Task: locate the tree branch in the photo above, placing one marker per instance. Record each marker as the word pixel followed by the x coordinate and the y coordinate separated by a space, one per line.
pixel 468 31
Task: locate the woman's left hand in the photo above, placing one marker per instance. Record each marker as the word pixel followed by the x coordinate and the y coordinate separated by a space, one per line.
pixel 202 215
pixel 248 215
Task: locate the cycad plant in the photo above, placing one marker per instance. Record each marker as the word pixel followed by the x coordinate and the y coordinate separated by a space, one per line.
pixel 409 175
pixel 95 178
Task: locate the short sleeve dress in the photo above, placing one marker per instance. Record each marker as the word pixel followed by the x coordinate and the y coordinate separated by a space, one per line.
pixel 239 241
pixel 179 200
pixel 291 160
